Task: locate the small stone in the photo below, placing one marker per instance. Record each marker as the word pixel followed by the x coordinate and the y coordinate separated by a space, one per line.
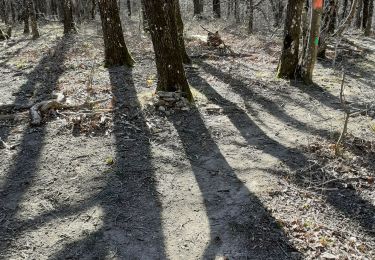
pixel 162 109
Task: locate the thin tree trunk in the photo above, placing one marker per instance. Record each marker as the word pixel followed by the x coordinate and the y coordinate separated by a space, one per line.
pixel 308 63
pixel 26 27
pixel 289 57
pixel 237 11
pixel 358 22
pixel 344 9
pixel 171 75
pixel 365 14
pixel 69 25
pixel 250 25
pixel 129 6
pixel 369 20
pixel 34 25
pixel 115 50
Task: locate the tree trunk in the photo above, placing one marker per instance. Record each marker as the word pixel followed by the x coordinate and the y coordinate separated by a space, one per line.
pixel 250 25
pixel 171 75
pixel 289 57
pixel 237 11
pixel 344 9
pixel 34 25
pixel 93 9
pixel 115 50
pixel 129 5
pixel 365 14
pixel 328 28
pixel 13 11
pixel 68 17
pixel 25 15
pixel 369 20
pixel 216 8
pixel 358 18
pixel 308 63
pixel 198 7
pixel 180 33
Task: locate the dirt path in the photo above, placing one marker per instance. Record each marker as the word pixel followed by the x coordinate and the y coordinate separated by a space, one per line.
pixel 224 180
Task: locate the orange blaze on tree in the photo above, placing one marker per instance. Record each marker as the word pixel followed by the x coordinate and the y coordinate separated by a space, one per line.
pixel 317 4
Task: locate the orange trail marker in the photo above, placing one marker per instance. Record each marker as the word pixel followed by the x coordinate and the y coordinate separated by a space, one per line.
pixel 317 4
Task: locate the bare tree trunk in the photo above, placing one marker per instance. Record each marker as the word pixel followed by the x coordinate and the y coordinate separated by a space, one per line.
pixel 308 63
pixel 344 9
pixel 250 25
pixel 358 22
pixel 129 6
pixel 171 75
pixel 289 57
pixel 180 33
pixel 198 7
pixel 69 25
pixel 34 25
pixel 116 52
pixel 237 11
pixel 365 14
pixel 328 28
pixel 369 20
pixel 216 8
pixel 26 27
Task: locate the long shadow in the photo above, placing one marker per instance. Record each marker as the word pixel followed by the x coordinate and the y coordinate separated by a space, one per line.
pixel 40 82
pixel 345 200
pixel 240 226
pixel 242 89
pixel 132 221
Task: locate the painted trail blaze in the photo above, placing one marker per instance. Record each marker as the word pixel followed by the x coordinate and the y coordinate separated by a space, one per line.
pixel 317 4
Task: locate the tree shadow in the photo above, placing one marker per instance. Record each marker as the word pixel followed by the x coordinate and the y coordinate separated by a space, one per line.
pixel 40 82
pixel 348 201
pixel 240 226
pixel 132 223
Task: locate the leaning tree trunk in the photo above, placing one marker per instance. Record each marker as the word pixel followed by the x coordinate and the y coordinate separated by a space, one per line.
pixel 369 20
pixel 216 8
pixel 34 24
pixel 68 17
pixel 308 63
pixel 289 57
pixel 180 33
pixel 163 29
pixel 115 50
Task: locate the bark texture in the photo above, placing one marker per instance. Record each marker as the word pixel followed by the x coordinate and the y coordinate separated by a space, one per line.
pixel 289 57
pixel 69 25
pixel 163 29
pixel 115 50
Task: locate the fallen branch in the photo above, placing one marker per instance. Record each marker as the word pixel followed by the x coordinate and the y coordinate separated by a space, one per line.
pixel 37 110
pixel 347 115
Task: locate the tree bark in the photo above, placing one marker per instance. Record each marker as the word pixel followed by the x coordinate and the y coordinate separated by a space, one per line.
pixel 289 56
pixel 250 25
pixel 129 6
pixel 365 14
pixel 198 7
pixel 216 8
pixel 180 33
pixel 171 75
pixel 358 22
pixel 237 11
pixel 69 25
pixel 308 63
pixel 25 15
pixel 115 50
pixel 34 24
pixel 369 19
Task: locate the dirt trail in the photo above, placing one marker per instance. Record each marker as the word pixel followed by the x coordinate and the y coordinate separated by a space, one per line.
pixel 208 183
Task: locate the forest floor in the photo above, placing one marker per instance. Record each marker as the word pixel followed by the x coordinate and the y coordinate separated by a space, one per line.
pixel 246 172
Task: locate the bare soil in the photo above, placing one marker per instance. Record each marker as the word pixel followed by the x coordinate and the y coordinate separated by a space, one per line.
pixel 246 172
